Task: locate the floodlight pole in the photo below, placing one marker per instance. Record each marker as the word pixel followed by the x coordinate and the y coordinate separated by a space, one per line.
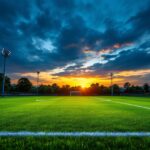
pixel 5 54
pixel 112 88
pixel 3 82
pixel 38 72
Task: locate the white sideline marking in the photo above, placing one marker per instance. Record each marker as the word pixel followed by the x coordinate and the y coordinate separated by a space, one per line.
pixel 131 104
pixel 76 134
pixel 125 103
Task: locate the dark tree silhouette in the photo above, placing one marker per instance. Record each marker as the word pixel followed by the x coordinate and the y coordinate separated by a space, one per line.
pixel 24 85
pixel 127 86
pixel 55 89
pixel 95 89
pixel 45 89
pixel 7 83
pixel 116 89
pixel 65 90
pixel 146 88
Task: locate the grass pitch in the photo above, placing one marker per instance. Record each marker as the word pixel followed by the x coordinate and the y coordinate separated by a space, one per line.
pixel 74 114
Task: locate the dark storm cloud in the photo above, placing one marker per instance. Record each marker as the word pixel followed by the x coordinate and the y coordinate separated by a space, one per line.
pixel 141 21
pixel 49 34
pixel 130 60
pixel 108 56
pixel 133 59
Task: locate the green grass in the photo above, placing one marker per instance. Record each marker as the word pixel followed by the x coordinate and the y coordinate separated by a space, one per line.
pixel 74 114
pixel 80 143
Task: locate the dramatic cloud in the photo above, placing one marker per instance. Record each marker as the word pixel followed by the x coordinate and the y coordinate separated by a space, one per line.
pixel 95 36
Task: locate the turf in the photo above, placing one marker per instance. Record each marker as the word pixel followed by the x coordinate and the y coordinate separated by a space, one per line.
pixel 82 143
pixel 75 114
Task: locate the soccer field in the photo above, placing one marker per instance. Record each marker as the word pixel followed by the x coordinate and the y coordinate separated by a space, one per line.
pixel 75 114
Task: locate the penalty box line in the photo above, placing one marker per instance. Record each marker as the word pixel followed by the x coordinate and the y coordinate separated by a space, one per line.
pixel 74 134
pixel 134 105
pixel 124 103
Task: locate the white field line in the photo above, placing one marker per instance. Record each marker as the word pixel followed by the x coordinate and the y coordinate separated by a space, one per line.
pixel 105 100
pixel 139 106
pixel 37 100
pixel 42 100
pixel 76 134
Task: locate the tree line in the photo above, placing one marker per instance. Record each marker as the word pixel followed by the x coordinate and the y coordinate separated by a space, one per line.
pixel 24 85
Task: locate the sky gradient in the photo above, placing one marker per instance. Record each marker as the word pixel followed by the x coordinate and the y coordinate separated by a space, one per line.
pixel 77 42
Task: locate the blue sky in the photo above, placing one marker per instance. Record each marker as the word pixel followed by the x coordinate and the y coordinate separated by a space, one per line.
pixel 77 38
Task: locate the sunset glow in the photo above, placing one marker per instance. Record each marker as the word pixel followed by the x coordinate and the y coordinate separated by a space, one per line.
pixel 119 78
pixel 77 43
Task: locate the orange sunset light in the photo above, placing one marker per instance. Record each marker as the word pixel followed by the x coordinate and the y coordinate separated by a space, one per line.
pixel 83 81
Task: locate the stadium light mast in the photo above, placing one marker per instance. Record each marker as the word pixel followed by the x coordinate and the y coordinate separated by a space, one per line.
pixel 38 73
pixel 5 53
pixel 111 80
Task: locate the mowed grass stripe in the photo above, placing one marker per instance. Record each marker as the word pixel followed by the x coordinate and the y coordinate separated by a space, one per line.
pixel 76 134
pixel 72 114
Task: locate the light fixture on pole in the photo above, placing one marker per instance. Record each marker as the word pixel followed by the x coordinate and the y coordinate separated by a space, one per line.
pixel 112 88
pixel 5 53
pixel 38 73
